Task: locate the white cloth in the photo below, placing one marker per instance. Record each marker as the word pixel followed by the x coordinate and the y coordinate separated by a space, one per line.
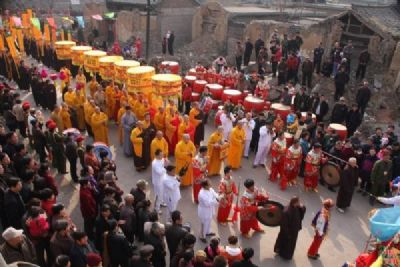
pixel 157 177
pixel 208 200
pixel 320 225
pixel 227 124
pixel 248 127
pixel 264 145
pixel 171 192
pixel 246 148
pixel 395 201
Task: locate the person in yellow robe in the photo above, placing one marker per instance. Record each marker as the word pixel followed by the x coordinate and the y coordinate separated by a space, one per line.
pixel 67 80
pixel 215 144
pixel 110 100
pixel 121 112
pixel 159 119
pixel 80 80
pixel 171 106
pixel 65 116
pixel 70 98
pixel 117 101
pixel 139 108
pixel 56 117
pixel 185 127
pixel 93 86
pixel 132 102
pixel 159 142
pixel 99 126
pixel 236 144
pixel 185 151
pixel 80 113
pixel 88 110
pixel 137 142
pixel 195 118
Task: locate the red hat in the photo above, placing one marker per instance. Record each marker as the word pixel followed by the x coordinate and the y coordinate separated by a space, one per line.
pixel 51 125
pixel 80 138
pixel 49 121
pixel 26 105
pixel 63 76
pixel 79 86
pixel 53 76
pixel 93 259
pixel 43 74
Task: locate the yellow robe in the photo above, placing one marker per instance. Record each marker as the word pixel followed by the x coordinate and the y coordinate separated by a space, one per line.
pixel 169 107
pixel 99 127
pixel 158 144
pixel 121 112
pixel 66 118
pixel 93 85
pixel 88 110
pixel 70 99
pixel 214 165
pixel 56 117
pixel 236 143
pixel 159 121
pixel 132 103
pixel 183 159
pixel 82 80
pixel 137 141
pixel 80 113
pixel 192 114
pixel 110 101
pixel 140 110
pixel 186 127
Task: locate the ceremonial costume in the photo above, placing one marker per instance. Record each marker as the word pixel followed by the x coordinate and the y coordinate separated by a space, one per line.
pixel 157 178
pixel 248 208
pixel 208 200
pixel 121 112
pixel 161 144
pixel 80 81
pixel 56 117
pixel 171 131
pixel 264 144
pixel 99 127
pixel 80 114
pixel 110 101
pixel 184 153
pixel 171 192
pixel 320 224
pixel 227 189
pixel 199 166
pixel 311 169
pixel 236 143
pixel 215 145
pixel 159 121
pixel 93 85
pixel 292 164
pixel 66 118
pixel 227 123
pixel 88 110
pixel 186 128
pixel 278 150
pixel 196 117
pixel 137 142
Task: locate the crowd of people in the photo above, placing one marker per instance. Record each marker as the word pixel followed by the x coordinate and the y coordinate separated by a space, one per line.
pixel 124 229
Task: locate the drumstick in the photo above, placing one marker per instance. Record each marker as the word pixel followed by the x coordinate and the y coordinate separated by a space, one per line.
pixel 332 156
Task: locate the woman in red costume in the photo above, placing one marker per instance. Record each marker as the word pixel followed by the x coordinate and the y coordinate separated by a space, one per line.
pixel 227 189
pixel 278 150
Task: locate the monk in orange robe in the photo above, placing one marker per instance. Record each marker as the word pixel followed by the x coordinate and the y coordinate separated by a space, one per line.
pixel 159 119
pixel 172 121
pixel 184 154
pixel 185 127
pixel 110 100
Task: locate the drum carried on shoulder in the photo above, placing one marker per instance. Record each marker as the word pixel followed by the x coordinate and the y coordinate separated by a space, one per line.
pixel 330 173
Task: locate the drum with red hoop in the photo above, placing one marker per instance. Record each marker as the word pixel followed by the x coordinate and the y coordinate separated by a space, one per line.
pixel 199 85
pixel 253 103
pixel 232 94
pixel 195 96
pixel 215 90
pixel 282 110
pixel 340 129
pixel 192 72
pixel 190 79
pixel 229 82
pixel 172 66
pixel 304 116
pixel 289 139
pixel 245 93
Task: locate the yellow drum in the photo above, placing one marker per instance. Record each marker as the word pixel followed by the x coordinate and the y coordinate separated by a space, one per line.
pixel 167 85
pixel 77 54
pixel 91 60
pixel 107 67
pixel 63 49
pixel 121 67
pixel 139 79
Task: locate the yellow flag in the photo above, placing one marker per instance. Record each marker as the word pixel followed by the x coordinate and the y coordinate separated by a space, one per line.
pixel 20 40
pixel 2 47
pixel 47 33
pixel 11 46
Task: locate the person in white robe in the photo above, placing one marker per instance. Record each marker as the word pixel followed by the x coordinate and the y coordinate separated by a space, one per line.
pixel 158 172
pixel 248 126
pixel 208 201
pixel 171 190
pixel 227 120
pixel 264 145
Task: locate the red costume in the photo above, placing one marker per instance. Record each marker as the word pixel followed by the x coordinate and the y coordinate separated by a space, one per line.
pixel 311 169
pixel 291 166
pixel 227 188
pixel 174 138
pixel 248 208
pixel 278 150
pixel 199 166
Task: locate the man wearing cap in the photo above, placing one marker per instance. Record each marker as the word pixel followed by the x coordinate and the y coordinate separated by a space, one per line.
pixel 56 144
pixel 172 193
pixel 311 169
pixel 380 176
pixel 292 163
pixel 61 242
pixel 237 140
pixel 17 247
pixel 348 182
pixel 185 151
pixel 215 146
pixel 320 224
pixel 80 249
pixel 249 206
pixel 99 126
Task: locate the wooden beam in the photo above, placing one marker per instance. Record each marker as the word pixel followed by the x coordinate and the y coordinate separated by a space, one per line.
pixel 362 36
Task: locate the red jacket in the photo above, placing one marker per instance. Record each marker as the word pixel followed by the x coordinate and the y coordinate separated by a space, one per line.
pixel 187 94
pixel 88 203
pixel 38 227
pixel 292 63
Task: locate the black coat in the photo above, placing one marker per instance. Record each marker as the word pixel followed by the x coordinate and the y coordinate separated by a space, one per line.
pixel 301 102
pixel 71 150
pixel 353 120
pixel 363 96
pixel 14 209
pixel 248 48
pixel 243 263
pixel 158 256
pixel 348 182
pixel 174 234
pixel 323 109
pixel 119 249
pixel 78 254
pixel 339 113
